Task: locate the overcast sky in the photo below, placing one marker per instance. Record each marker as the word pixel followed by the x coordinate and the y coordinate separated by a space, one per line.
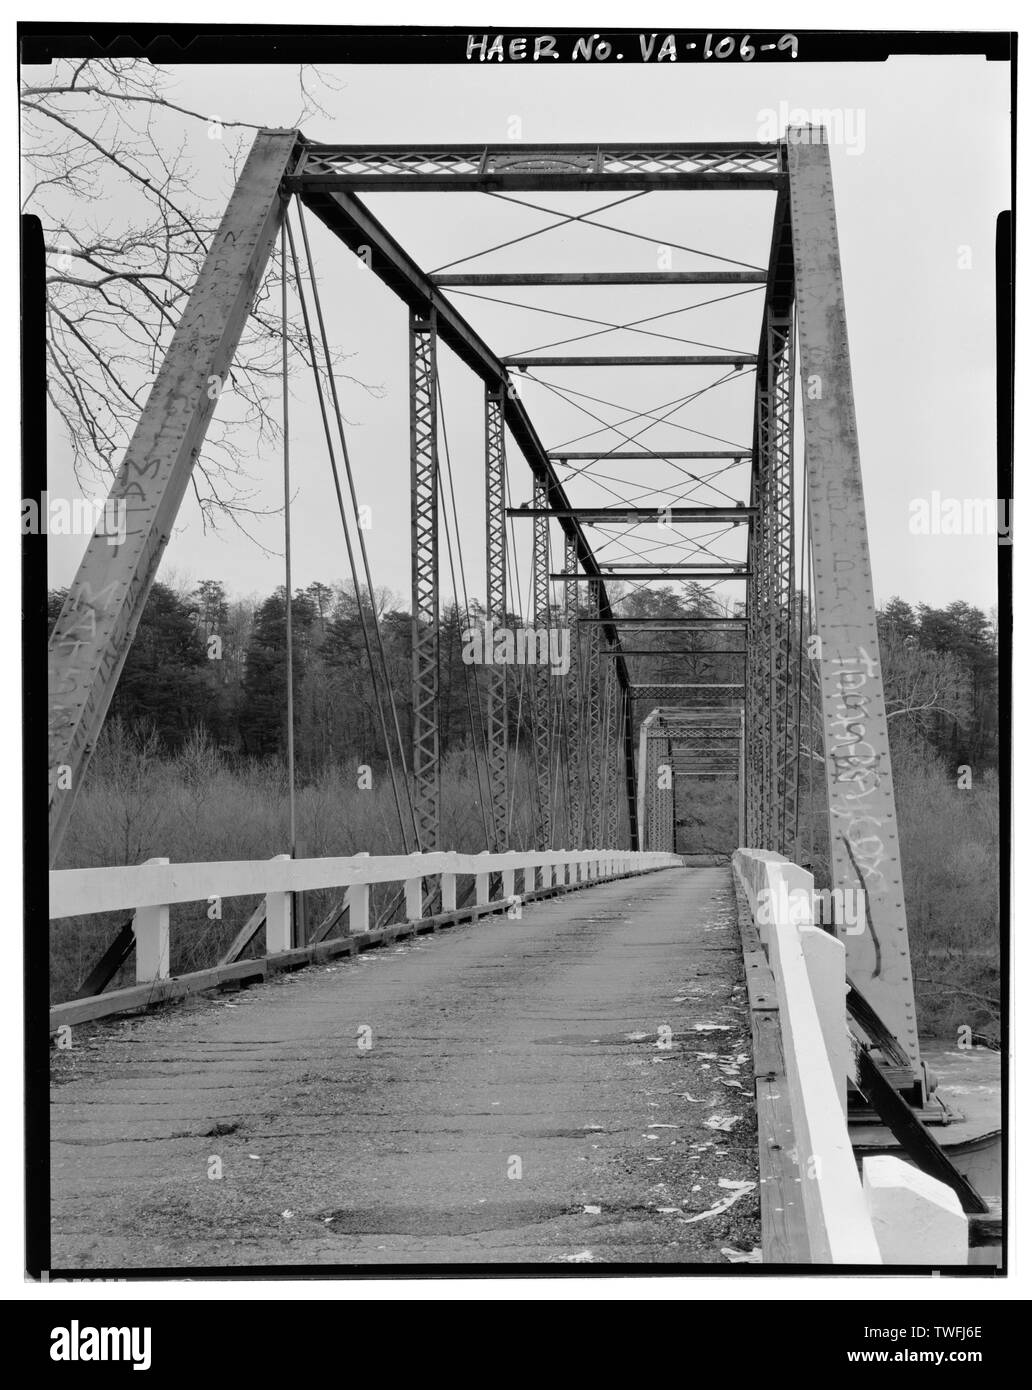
pixel 924 173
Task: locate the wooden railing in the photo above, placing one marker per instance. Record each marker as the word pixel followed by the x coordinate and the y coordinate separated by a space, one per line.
pixel 815 1206
pixel 500 883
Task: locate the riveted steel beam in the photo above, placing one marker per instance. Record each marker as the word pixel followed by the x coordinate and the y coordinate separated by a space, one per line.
pixel 101 612
pixel 863 832
pixel 542 168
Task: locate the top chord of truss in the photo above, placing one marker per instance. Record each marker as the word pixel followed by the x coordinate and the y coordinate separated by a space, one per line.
pixel 520 166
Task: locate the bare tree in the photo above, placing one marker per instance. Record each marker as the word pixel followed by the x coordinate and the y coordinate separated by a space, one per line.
pixel 923 685
pixel 106 169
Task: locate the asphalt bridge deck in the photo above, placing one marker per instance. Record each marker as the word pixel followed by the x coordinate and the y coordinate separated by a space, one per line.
pixel 571 1086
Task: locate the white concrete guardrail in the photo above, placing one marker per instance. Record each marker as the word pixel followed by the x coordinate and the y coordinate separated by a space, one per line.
pixel 895 1214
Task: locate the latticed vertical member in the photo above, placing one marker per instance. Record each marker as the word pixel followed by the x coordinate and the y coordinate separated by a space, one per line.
pixel 757 712
pixel 772 750
pixel 573 693
pixel 784 731
pixel 665 796
pixel 541 681
pixel 611 758
pixel 864 846
pixel 616 797
pixel 593 706
pixel 603 747
pixel 497 715
pixel 426 750
pixel 650 772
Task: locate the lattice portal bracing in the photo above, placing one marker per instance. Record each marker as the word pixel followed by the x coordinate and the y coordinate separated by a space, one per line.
pixel 541 167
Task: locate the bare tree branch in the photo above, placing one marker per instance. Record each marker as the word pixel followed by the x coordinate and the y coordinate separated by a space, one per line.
pixel 105 135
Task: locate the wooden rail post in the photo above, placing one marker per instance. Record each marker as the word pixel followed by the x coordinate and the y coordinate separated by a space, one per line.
pixel 448 892
pixel 483 887
pixel 414 898
pixel 279 935
pixel 509 882
pixel 150 927
pixel 358 902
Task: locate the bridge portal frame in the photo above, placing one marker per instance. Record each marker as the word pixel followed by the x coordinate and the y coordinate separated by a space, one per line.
pixel 804 281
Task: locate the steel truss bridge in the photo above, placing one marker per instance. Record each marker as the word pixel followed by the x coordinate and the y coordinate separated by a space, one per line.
pixel 806 702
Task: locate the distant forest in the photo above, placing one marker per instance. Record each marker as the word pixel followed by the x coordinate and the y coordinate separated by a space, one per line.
pixel 205 661
pixel 191 762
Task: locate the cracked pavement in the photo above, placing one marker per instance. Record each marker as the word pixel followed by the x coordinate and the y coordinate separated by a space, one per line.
pixel 572 1086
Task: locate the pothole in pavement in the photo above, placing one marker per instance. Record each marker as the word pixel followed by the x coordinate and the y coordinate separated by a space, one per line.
pixel 638 1038
pixel 431 1221
pixel 486 1216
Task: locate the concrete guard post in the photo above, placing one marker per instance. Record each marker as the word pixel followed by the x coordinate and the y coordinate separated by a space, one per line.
pixel 917 1219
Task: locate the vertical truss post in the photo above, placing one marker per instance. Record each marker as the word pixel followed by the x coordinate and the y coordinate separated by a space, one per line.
pixel 644 808
pixel 772 757
pixel 631 790
pixel 541 683
pixel 650 785
pixel 619 787
pixel 863 834
pixel 497 713
pixel 603 748
pixel 613 740
pixel 758 712
pixel 593 702
pixel 574 770
pixel 665 799
pixel 741 782
pixel 655 800
pixel 784 751
pixel 101 612
pixel 426 746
